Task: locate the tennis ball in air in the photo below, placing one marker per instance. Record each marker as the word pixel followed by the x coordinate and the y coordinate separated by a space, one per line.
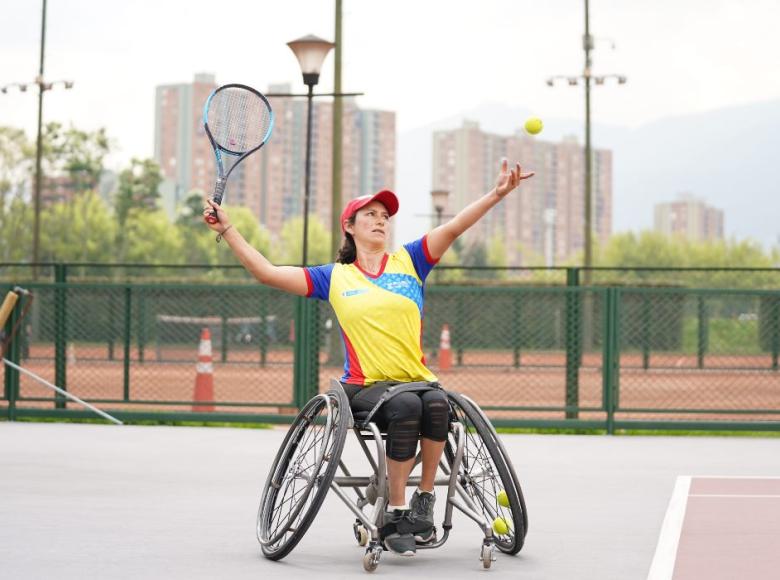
pixel 534 125
pixel 503 499
pixel 500 526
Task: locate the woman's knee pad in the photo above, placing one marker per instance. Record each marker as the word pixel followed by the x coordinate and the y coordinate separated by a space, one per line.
pixel 403 413
pixel 435 415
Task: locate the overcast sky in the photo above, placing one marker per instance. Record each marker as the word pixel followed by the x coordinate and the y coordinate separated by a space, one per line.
pixel 424 59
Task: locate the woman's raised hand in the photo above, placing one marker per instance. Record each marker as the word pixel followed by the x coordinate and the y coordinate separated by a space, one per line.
pixel 508 180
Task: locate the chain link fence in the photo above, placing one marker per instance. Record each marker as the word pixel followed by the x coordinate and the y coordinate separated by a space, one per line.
pixel 565 356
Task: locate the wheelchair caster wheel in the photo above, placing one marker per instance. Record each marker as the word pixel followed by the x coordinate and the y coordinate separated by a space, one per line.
pixel 487 555
pixel 361 533
pixel 371 558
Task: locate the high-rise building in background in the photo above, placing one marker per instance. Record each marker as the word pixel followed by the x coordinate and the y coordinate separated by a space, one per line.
pixel 689 217
pixel 544 220
pixel 271 182
pixel 368 158
pixel 180 144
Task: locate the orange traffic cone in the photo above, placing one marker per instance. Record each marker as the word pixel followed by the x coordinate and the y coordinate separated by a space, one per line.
pixel 204 381
pixel 445 354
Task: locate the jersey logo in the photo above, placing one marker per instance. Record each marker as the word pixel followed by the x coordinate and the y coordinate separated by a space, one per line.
pixel 348 293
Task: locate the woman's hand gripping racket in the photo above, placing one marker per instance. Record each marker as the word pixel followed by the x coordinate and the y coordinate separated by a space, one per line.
pixel 238 121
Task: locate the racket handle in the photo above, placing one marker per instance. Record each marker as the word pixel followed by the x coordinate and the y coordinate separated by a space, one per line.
pixel 219 190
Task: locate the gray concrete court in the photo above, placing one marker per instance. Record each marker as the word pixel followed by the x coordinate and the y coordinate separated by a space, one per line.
pixel 88 501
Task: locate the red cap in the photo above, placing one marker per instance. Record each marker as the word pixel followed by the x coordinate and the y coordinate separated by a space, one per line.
pixel 385 197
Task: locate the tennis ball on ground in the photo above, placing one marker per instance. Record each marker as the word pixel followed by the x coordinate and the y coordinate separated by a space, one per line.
pixel 503 499
pixel 500 526
pixel 534 125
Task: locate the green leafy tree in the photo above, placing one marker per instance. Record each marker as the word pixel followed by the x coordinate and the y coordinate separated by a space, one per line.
pixel 16 226
pixel 75 153
pixel 80 230
pixel 497 256
pixel 138 187
pixel 16 154
pixel 151 239
pixel 655 250
pixel 290 250
pixel 199 245
pixel 450 258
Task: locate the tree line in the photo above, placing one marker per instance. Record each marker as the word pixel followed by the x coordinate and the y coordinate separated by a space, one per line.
pixel 126 224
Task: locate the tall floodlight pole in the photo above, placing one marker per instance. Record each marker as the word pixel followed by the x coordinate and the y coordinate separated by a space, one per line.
pixel 39 153
pixel 338 111
pixel 587 45
pixel 587 78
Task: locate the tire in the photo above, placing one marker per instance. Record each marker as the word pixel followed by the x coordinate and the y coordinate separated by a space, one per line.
pixel 302 473
pixel 507 460
pixel 484 473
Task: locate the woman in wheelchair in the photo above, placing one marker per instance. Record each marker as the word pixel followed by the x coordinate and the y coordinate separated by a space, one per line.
pixel 378 300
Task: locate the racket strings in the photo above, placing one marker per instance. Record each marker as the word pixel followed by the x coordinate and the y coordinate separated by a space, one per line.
pixel 239 119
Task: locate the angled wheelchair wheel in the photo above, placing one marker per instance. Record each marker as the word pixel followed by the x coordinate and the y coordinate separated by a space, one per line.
pixel 485 473
pixel 507 460
pixel 302 473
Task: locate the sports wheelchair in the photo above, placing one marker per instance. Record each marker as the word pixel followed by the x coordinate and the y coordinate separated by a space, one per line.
pixel 475 468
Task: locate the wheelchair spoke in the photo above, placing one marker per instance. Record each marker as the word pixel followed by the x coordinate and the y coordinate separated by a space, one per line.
pixel 301 475
pixel 485 474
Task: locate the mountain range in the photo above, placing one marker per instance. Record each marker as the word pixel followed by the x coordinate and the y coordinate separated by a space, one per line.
pixel 727 157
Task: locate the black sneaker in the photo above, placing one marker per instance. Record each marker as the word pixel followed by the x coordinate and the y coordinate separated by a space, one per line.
pixel 422 511
pixel 397 534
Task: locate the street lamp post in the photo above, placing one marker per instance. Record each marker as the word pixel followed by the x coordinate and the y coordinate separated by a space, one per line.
pixel 587 79
pixel 311 52
pixel 439 197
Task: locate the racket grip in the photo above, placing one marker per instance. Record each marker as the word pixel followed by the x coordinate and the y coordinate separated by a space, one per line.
pixel 219 190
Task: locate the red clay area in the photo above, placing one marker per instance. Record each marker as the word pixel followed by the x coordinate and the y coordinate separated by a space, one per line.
pixel 731 530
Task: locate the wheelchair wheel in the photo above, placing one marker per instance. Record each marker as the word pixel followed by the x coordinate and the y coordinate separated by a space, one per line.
pixel 484 473
pixel 301 473
pixel 507 460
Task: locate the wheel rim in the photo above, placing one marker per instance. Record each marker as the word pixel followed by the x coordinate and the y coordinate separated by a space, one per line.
pixel 293 483
pixel 482 480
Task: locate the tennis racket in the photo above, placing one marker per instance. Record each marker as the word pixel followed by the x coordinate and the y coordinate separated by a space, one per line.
pixel 238 121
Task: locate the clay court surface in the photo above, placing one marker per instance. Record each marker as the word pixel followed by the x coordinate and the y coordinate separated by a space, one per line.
pixel 672 381
pixel 85 501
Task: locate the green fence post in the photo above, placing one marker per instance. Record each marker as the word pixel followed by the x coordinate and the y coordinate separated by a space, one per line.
pixel 299 357
pixel 573 330
pixel 516 325
pixel 12 375
pixel 616 326
pixel 141 327
pixel 703 337
pixel 111 324
pixel 264 326
pixel 60 333
pixel 647 320
pixel 775 330
pixel 224 338
pixel 312 386
pixel 608 362
pixel 127 342
pixel 458 332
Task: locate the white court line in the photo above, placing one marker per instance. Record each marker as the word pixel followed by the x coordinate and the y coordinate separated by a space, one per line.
pixel 665 556
pixel 735 476
pixel 742 495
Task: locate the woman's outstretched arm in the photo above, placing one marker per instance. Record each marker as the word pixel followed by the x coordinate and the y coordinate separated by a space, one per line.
pixel 288 278
pixel 442 237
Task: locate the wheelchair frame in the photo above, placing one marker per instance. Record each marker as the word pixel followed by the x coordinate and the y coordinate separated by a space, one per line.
pixel 463 491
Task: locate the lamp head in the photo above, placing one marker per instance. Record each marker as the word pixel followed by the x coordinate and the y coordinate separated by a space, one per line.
pixel 311 52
